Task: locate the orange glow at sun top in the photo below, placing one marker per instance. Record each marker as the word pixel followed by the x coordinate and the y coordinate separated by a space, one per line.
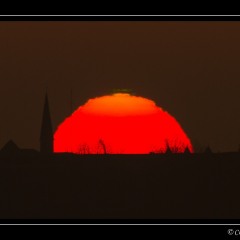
pixel 120 124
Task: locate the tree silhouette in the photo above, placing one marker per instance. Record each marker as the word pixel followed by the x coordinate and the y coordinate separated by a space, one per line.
pixel 177 147
pixel 84 149
pixel 103 146
pixel 187 151
pixel 168 149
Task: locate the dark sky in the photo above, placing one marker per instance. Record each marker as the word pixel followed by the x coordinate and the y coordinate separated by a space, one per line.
pixel 190 69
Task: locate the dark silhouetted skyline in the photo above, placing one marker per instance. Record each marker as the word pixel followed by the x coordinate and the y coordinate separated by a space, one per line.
pixel 190 69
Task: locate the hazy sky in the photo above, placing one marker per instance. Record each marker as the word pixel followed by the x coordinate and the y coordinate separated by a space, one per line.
pixel 190 69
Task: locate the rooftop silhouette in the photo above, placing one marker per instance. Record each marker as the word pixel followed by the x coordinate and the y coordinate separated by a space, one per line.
pixel 10 148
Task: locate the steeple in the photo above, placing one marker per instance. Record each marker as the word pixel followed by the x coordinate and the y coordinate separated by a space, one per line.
pixel 46 136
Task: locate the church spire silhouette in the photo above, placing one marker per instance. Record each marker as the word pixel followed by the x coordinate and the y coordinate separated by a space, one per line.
pixel 46 136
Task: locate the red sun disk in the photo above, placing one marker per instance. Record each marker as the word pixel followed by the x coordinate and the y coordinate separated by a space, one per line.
pixel 120 124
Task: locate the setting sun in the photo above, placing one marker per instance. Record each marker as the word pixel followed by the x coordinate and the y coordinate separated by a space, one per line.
pixel 120 124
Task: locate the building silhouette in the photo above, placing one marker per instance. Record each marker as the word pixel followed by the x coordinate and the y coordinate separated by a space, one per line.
pixel 46 135
pixel 10 148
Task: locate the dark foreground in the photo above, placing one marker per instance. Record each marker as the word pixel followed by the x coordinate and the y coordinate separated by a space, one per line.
pixel 121 187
